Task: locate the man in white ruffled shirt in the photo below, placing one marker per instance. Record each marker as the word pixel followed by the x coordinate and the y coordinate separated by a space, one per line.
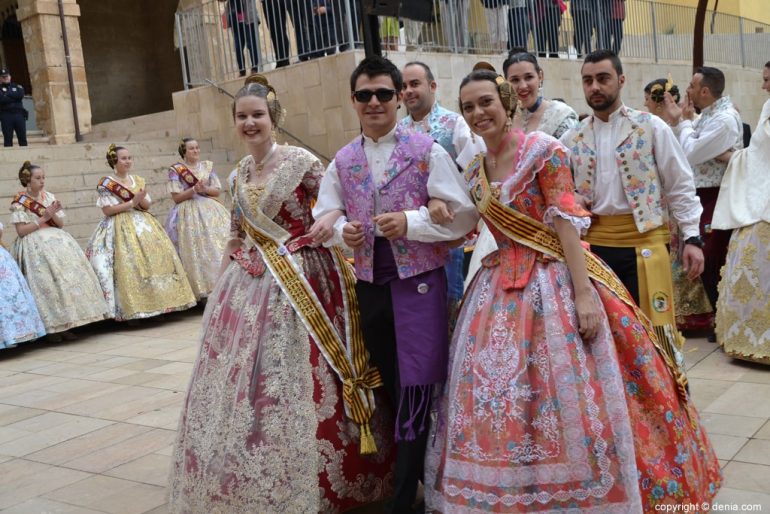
pixel 704 139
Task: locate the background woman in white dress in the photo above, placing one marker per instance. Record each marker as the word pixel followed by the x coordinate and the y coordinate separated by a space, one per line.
pixel 62 281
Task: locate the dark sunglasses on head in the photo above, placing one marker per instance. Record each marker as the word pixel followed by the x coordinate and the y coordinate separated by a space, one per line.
pixel 365 95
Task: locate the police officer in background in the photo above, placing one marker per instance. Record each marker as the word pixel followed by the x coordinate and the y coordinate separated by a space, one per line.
pixel 12 112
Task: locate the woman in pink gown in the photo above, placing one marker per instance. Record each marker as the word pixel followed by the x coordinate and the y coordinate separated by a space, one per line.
pixel 268 426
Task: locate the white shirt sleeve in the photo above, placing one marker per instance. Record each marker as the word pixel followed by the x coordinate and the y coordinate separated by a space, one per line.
pixel 464 143
pixel 331 198
pixel 676 179
pixel 716 137
pixel 444 183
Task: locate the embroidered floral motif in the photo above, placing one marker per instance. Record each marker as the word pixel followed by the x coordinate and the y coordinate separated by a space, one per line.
pixel 404 187
pixel 439 125
pixel 263 428
pixel 710 173
pixel 635 160
pixel 533 417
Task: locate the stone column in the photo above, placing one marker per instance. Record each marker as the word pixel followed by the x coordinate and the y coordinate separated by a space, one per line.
pixel 44 45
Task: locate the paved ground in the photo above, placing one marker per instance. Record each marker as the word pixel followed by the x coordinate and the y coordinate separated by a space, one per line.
pixel 87 426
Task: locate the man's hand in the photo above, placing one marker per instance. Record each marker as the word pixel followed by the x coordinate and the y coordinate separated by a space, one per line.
pixel 582 201
pixel 671 113
pixel 688 108
pixel 392 224
pixel 353 234
pixel 692 261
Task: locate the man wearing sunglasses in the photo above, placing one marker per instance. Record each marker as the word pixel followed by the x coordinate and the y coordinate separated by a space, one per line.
pixel 448 129
pixel 382 181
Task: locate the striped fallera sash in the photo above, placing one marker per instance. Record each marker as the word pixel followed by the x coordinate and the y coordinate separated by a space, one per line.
pixel 351 362
pixel 539 237
pixel 185 174
pixel 116 188
pixel 30 204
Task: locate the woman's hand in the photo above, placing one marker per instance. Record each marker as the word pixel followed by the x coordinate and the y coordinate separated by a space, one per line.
pixel 231 247
pixel 323 228
pixel 139 197
pixel 200 188
pixel 440 213
pixel 589 314
pixel 724 156
pixel 51 210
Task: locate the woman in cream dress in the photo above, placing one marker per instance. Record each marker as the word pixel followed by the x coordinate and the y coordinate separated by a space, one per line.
pixel 197 224
pixel 136 263
pixel 62 281
pixel 743 309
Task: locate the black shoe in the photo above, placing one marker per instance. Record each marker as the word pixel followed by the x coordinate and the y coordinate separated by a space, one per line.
pixel 711 338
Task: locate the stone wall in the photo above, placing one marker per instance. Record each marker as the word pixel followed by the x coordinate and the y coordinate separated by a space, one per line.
pixel 132 65
pixel 316 95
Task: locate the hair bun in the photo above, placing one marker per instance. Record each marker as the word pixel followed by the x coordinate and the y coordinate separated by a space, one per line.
pixel 484 65
pixel 112 155
pixel 25 173
pixel 256 78
pixel 507 93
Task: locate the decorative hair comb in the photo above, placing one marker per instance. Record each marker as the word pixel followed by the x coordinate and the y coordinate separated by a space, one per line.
pixel 658 91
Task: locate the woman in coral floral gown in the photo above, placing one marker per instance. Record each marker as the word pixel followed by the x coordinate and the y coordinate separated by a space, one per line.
pixel 264 428
pixel 558 398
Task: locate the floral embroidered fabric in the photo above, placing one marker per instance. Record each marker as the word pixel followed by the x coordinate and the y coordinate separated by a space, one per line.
pixel 199 229
pixel 136 264
pixel 533 418
pixel 19 317
pixel 61 279
pixel 263 428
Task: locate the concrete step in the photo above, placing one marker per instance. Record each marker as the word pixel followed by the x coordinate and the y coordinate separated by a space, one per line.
pixel 148 126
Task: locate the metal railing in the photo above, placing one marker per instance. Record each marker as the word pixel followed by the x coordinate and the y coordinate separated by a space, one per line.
pixel 224 39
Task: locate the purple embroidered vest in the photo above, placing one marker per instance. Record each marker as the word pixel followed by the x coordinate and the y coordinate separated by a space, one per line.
pixel 405 187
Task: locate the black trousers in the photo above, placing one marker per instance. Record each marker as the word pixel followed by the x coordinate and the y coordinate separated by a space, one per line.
pixel 547 32
pixel 623 262
pixel 276 12
pixel 13 122
pixel 584 27
pixel 377 322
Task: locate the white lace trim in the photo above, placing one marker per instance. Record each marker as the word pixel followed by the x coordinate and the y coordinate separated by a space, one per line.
pixel 581 223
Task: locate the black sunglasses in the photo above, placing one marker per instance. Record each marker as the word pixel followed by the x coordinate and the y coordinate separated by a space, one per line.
pixel 365 95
